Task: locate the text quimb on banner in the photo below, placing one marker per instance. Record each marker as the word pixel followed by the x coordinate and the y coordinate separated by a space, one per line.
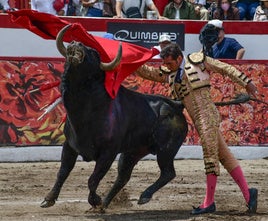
pixel 146 34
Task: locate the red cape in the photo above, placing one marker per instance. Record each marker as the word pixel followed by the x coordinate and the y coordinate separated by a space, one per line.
pixel 47 26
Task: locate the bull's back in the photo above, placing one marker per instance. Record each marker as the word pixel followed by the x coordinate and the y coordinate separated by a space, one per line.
pixel 158 119
pixel 155 102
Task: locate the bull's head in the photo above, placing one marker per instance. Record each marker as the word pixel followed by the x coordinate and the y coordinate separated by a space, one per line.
pixel 75 52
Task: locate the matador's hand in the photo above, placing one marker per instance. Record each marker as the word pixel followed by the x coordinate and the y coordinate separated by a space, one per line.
pixel 251 89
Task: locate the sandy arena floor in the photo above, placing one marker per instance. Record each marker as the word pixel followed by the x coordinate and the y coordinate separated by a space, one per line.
pixel 24 185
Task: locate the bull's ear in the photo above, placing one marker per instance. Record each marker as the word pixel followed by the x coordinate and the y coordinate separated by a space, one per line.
pixel 114 63
pixel 59 40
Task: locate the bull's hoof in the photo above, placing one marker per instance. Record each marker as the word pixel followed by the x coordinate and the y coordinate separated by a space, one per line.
pixel 143 200
pixel 95 200
pixel 47 203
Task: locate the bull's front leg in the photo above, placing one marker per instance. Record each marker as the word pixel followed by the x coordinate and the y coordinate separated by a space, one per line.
pixel 126 163
pixel 68 160
pixel 102 165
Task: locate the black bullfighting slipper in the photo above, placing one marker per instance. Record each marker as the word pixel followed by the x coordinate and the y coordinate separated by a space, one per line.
pixel 209 209
pixel 253 200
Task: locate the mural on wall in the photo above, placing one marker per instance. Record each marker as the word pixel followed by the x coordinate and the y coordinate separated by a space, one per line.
pixel 20 109
pixel 243 124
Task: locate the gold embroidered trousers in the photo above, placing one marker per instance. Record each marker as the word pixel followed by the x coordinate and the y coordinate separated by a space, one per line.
pixel 206 118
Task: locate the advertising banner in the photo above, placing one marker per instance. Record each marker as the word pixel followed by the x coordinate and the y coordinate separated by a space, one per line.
pixel 146 35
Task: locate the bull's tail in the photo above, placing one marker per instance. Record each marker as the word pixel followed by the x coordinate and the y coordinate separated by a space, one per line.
pixel 171 107
pixel 175 104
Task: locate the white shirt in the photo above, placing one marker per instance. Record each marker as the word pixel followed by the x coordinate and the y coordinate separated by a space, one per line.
pixel 45 6
pixel 157 47
pixel 260 14
pixel 134 3
pixel 182 68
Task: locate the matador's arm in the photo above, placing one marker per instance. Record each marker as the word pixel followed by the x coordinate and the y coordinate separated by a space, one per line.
pixel 152 73
pixel 229 70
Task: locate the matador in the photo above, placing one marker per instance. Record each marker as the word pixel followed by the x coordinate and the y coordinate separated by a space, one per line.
pixel 190 83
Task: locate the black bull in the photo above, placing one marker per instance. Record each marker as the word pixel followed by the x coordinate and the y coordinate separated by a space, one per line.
pixel 98 127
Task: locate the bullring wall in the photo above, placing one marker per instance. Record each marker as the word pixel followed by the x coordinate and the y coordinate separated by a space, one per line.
pixel 244 124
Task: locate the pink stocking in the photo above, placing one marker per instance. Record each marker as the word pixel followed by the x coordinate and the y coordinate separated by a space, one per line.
pixel 211 187
pixel 239 178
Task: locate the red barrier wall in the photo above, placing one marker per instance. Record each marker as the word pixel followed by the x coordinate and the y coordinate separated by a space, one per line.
pixel 244 124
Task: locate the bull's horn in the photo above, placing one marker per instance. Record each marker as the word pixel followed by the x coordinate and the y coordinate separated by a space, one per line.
pixel 113 64
pixel 59 40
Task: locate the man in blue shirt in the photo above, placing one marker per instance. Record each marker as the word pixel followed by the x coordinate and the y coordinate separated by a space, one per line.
pixel 226 48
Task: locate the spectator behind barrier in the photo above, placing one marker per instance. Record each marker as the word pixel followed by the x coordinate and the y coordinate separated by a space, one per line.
pixel 261 13
pixel 226 11
pixel 180 9
pixel 109 8
pixel 164 40
pixel 226 48
pixel 200 9
pixel 247 8
pixel 92 8
pixel 124 8
pixel 74 8
pixel 49 6
pixel 211 8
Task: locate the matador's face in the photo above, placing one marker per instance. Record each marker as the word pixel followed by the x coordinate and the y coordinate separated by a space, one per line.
pixel 172 64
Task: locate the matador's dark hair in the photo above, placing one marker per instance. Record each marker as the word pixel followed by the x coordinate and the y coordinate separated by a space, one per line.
pixel 172 50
